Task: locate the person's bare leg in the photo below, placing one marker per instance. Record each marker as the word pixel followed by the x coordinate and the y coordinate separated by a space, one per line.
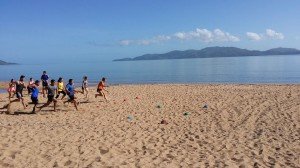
pixel 16 100
pixel 100 93
pixel 63 96
pixel 75 104
pixel 45 105
pixel 43 91
pixel 33 110
pixel 54 102
pixel 23 103
pixel 9 96
pixel 86 93
pixel 104 95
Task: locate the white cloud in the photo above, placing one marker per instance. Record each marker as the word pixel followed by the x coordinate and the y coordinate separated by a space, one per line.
pixel 274 35
pixel 181 35
pixel 156 39
pixel 144 42
pixel 161 38
pixel 269 34
pixel 203 35
pixel 125 42
pixel 254 36
pixel 224 36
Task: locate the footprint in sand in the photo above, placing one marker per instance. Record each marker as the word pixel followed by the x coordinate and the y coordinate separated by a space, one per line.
pixel 103 151
pixel 55 164
pixel 69 162
pixel 98 159
pixel 13 154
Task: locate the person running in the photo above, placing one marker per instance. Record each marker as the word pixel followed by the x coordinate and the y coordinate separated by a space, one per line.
pixel 30 83
pixel 35 94
pixel 52 90
pixel 44 79
pixel 70 89
pixel 84 86
pixel 11 89
pixel 20 85
pixel 60 88
pixel 100 89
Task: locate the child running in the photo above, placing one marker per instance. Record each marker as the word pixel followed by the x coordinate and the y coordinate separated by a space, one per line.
pixel 44 79
pixel 52 90
pixel 35 94
pixel 11 89
pixel 85 86
pixel 60 88
pixel 20 85
pixel 100 89
pixel 70 89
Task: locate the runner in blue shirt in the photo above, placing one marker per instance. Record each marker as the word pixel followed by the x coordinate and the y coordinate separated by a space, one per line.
pixel 70 89
pixel 35 94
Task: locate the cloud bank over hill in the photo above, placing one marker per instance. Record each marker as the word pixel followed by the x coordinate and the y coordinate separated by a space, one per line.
pixel 205 36
pixel 269 34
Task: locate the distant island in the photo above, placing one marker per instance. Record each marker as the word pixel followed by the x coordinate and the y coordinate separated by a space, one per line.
pixel 6 63
pixel 212 52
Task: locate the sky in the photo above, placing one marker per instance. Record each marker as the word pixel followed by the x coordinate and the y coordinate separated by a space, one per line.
pixel 35 31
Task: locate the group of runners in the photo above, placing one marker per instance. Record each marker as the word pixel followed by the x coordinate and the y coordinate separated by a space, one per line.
pixel 52 89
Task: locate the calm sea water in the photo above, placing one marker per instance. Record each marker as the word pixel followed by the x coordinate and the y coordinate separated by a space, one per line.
pixel 258 69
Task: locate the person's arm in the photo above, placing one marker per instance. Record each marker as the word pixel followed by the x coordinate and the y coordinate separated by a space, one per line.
pixel 32 85
pixel 105 89
pixel 41 92
pixel 23 84
pixel 104 86
pixel 67 90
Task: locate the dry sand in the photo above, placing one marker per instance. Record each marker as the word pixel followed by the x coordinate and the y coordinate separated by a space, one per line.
pixel 243 126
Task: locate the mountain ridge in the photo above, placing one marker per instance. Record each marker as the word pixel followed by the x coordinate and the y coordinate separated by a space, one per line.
pixel 211 52
pixel 5 63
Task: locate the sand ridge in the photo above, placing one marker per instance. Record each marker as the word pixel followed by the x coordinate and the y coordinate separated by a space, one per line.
pixel 243 126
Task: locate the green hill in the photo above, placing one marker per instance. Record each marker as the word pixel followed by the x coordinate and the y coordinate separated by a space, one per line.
pixel 211 52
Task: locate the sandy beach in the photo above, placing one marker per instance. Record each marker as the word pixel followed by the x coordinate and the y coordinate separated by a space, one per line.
pixel 242 126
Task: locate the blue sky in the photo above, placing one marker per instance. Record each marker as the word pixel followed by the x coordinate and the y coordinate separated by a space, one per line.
pixel 51 31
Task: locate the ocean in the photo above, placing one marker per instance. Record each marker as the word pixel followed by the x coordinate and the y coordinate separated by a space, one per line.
pixel 241 70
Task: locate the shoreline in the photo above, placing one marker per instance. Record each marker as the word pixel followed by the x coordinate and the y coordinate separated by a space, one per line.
pixel 4 85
